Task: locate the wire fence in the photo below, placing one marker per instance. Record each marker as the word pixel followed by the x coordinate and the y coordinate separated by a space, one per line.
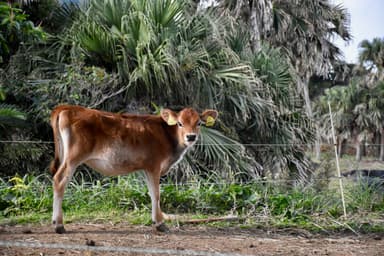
pixel 110 249
pixel 369 167
pixel 26 142
pixel 213 144
pixel 370 153
pixel 350 165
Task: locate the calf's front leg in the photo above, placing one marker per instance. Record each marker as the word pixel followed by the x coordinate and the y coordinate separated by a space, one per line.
pixel 153 183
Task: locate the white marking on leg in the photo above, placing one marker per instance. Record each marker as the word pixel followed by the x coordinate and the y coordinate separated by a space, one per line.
pixel 151 191
pixel 155 206
pixel 64 133
pixel 63 168
pixel 57 206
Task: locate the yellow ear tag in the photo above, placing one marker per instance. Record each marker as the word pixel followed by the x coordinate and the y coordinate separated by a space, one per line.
pixel 210 121
pixel 171 121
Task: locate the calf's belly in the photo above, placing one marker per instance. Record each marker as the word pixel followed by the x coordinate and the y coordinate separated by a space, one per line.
pixel 106 168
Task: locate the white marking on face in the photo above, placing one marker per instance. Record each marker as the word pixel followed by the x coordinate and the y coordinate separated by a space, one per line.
pixel 190 139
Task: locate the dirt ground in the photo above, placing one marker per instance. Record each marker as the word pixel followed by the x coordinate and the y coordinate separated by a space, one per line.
pixel 201 239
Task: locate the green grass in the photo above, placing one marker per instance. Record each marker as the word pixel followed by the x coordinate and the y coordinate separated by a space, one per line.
pixel 29 199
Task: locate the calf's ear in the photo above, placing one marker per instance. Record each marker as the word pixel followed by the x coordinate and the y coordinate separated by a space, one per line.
pixel 169 116
pixel 209 117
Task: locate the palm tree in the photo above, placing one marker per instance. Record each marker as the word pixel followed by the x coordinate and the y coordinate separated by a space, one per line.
pixel 371 57
pixel 305 29
pixel 341 99
pixel 357 113
pixel 161 52
pixel 371 54
pixel 380 118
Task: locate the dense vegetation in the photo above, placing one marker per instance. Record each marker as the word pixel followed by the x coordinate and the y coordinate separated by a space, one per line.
pixel 123 55
pixel 263 64
pixel 27 199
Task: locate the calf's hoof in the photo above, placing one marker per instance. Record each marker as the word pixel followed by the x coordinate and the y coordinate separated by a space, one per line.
pixel 59 229
pixel 162 228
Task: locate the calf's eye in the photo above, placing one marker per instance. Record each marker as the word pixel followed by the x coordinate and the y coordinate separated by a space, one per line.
pixel 179 124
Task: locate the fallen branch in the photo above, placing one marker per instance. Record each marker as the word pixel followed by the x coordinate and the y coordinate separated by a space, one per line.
pixel 213 219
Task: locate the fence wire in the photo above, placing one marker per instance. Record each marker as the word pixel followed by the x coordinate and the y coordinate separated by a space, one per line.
pixel 130 250
pixel 217 144
pixel 349 166
pixel 26 142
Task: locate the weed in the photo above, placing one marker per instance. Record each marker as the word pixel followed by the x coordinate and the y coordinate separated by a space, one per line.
pixel 29 199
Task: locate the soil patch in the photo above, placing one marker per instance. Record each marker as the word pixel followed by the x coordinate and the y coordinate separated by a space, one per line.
pixel 236 240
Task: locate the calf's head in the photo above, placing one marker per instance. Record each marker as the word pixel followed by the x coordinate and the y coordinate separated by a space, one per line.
pixel 188 123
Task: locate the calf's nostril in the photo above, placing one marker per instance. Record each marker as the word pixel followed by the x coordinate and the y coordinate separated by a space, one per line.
pixel 191 137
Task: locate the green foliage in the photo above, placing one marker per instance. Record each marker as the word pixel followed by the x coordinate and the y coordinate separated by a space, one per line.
pixel 22 158
pixel 366 195
pixel 14 157
pixel 10 116
pixel 81 85
pixel 40 12
pixel 130 37
pixel 24 194
pixel 15 29
pixel 286 124
pixel 299 204
pixel 117 198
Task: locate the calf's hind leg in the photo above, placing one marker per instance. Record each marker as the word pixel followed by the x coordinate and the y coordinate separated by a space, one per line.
pixel 60 181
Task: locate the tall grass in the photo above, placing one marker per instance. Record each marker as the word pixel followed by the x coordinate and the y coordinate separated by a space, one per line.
pixel 127 197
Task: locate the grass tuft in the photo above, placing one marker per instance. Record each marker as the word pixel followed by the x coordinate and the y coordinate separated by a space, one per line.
pixel 29 199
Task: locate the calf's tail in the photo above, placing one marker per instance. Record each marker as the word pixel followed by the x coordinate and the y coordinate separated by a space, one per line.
pixel 55 163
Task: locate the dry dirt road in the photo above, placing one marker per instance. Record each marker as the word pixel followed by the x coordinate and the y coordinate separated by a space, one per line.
pixel 126 239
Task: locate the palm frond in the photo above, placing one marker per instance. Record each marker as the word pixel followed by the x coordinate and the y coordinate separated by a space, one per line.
pixel 94 39
pixel 165 13
pixel 218 155
pixel 65 14
pixel 10 116
pixel 109 12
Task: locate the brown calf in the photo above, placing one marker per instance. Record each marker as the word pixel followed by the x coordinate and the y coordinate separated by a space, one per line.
pixel 118 144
